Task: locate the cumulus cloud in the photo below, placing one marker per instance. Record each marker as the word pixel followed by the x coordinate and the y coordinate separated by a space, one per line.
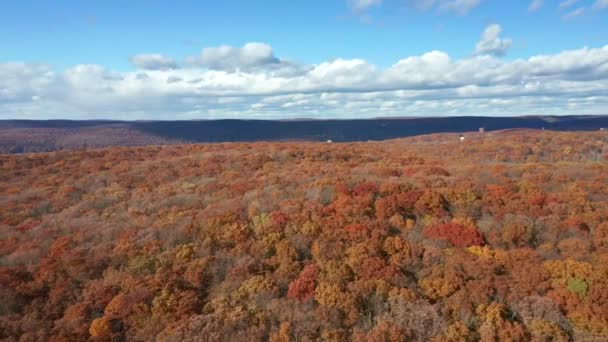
pixel 600 5
pixel 153 61
pixel 226 57
pixel 22 81
pixel 491 43
pixel 535 5
pixel 432 83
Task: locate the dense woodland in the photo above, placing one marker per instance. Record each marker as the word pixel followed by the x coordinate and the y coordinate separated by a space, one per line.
pixel 502 236
pixel 48 139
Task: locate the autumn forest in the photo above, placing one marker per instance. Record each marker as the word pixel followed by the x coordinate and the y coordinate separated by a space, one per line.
pixel 502 236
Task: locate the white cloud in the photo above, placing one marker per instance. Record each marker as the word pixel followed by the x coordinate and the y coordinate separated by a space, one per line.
pixel 567 3
pixel 491 43
pixel 574 14
pixel 153 62
pixel 600 5
pixel 363 5
pixel 459 6
pixel 535 5
pixel 455 6
pixel 173 79
pixel 423 4
pixel 21 81
pixel 226 57
pixel 429 84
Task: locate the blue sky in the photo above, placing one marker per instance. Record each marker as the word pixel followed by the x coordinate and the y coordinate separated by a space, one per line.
pixel 158 59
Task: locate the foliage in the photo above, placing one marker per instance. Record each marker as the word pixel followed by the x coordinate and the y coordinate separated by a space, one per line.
pixel 578 286
pixel 502 238
pixel 455 234
pixel 303 287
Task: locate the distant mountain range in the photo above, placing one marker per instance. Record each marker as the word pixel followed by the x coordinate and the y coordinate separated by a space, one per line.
pixel 22 136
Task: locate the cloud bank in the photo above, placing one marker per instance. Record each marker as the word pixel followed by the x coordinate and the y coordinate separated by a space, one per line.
pixel 251 82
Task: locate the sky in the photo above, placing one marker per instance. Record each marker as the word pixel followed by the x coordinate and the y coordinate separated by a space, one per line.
pixel 248 59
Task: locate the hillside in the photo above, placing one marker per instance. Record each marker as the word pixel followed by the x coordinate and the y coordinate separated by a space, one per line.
pixel 22 136
pixel 502 236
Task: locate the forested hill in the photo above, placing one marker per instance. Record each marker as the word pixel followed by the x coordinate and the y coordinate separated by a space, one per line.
pixel 19 136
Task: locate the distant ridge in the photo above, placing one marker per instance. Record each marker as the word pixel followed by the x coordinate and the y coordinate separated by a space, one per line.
pixel 19 136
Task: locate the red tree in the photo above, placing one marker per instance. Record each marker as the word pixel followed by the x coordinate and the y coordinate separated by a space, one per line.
pixel 456 234
pixel 303 287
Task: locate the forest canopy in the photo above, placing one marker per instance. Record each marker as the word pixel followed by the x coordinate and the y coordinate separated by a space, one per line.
pixel 501 236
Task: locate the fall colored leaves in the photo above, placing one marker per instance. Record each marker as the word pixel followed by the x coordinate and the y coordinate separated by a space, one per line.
pixel 401 240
